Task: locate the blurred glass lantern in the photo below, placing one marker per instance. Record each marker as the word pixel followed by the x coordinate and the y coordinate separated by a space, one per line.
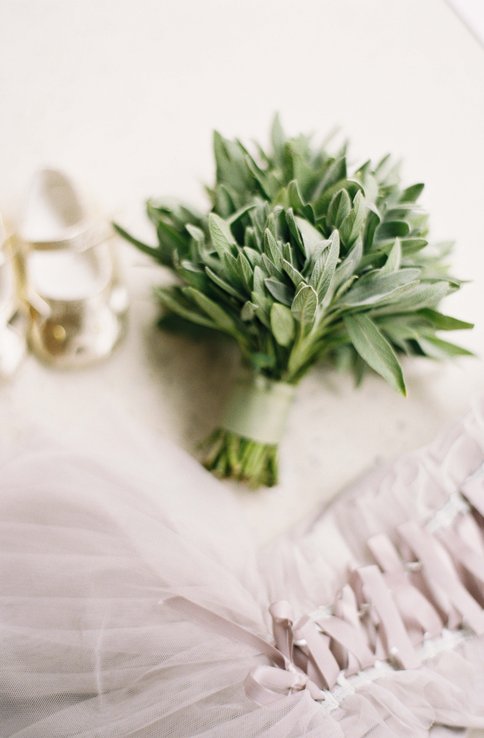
pixel 72 284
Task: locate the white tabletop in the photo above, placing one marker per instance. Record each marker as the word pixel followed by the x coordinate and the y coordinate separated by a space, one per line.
pixel 123 95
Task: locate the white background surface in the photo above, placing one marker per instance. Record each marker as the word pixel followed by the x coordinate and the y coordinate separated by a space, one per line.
pixel 123 94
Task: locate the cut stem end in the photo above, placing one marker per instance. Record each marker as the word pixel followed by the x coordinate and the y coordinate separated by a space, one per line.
pixel 229 455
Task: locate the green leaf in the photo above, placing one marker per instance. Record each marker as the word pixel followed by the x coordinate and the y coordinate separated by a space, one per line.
pixel 222 201
pixel 394 259
pixel 294 231
pixel 272 247
pixel 387 171
pixel 444 322
pixel 370 186
pixel 282 324
pixel 196 233
pixel 230 164
pixel 353 224
pixel 259 278
pixel 245 270
pixel 303 171
pixel 248 311
pixel 335 172
pixel 171 237
pixel 416 297
pixel 294 275
pixel 341 288
pixel 321 204
pixel 372 222
pixel 225 286
pixel 234 217
pixel 223 321
pixel 439 349
pixel 304 305
pixel 412 245
pixel 228 266
pixel 192 274
pixel 373 347
pixel 279 291
pixel 278 138
pixel 296 201
pixel 412 193
pixel 152 251
pixel 170 300
pixel 392 229
pixel 173 323
pixel 339 208
pixel 220 233
pixel 373 287
pixel 349 264
pixel 252 256
pixel 324 281
pixel 260 178
pixel 270 268
pixel 311 237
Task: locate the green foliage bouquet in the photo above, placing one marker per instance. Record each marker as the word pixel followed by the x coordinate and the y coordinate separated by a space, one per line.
pixel 301 259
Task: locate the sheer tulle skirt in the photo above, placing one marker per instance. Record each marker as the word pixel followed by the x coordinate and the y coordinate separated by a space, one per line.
pixel 92 549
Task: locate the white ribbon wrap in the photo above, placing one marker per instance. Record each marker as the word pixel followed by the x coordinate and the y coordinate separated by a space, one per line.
pixel 258 409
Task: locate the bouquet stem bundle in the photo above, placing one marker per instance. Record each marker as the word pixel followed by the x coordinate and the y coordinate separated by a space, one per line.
pixel 301 259
pixel 245 446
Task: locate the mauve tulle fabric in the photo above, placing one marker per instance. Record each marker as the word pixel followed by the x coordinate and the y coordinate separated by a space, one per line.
pixel 92 545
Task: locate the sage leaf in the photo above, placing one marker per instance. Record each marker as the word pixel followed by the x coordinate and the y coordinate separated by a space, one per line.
pixel 225 286
pixel 295 232
pixel 353 223
pixel 438 349
pixel 248 311
pixel 259 279
pixel 375 286
pixel 411 194
pixel 310 235
pixel 349 265
pixel 294 275
pixel 444 322
pixel 172 240
pixel 169 300
pixel 394 259
pixel 304 305
pixel 245 270
pixel 372 222
pixel 220 234
pixel 238 214
pixel 339 208
pixel 335 172
pixel 324 281
pixel 272 248
pixel 279 291
pixel 145 248
pixel 196 233
pixel 296 201
pixel 392 229
pixel 416 297
pixel 218 315
pixel 375 350
pixel 412 245
pixel 282 324
pixel 277 138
